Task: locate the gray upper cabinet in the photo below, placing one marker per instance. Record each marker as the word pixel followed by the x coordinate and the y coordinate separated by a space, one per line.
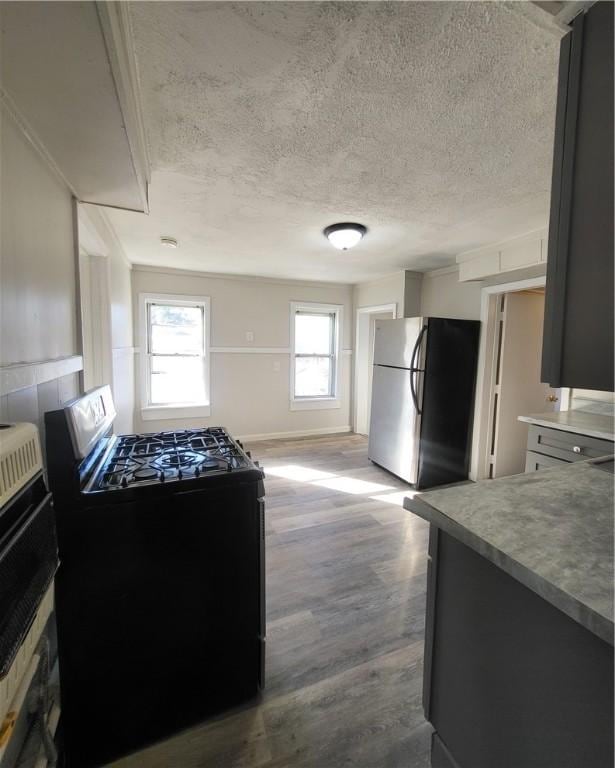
pixel 578 334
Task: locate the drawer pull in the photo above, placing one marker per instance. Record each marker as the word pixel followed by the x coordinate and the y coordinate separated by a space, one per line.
pixel 577 449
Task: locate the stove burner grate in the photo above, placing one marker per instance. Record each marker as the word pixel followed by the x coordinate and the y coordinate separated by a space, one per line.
pixel 166 455
pixel 182 458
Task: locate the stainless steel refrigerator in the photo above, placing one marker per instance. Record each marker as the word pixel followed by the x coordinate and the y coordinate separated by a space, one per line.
pixel 423 389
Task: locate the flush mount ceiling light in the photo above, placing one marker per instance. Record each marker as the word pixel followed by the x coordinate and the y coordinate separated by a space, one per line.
pixel 169 242
pixel 344 236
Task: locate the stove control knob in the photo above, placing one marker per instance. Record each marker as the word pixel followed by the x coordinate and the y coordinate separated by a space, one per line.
pixel 124 482
pixel 180 474
pixel 197 472
pixel 161 476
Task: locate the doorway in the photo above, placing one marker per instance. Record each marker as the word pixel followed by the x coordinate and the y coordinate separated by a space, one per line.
pixel 365 325
pixel 509 377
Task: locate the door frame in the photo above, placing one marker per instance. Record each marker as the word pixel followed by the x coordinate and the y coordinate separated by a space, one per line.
pixel 362 350
pixel 487 357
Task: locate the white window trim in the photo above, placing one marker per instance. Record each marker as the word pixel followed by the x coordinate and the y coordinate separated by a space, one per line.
pixel 327 402
pixel 172 411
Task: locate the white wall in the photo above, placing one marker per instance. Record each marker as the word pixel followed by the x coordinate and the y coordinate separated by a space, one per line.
pixel 38 259
pixel 248 396
pixel 37 282
pixel 443 295
pixel 401 288
pixel 413 285
pixel 40 345
pixel 387 290
pixel 592 401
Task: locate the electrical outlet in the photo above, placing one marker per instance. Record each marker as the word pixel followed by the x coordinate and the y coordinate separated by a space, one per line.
pixel 249 335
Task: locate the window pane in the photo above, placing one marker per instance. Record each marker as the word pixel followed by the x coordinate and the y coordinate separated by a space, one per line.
pixel 312 376
pixel 313 334
pixel 176 330
pixel 177 380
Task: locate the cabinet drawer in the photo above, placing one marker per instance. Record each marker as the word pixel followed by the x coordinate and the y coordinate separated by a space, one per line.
pixel 567 446
pixel 535 461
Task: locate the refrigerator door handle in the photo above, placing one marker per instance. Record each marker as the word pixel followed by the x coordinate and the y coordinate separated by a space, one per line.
pixel 417 346
pixel 414 370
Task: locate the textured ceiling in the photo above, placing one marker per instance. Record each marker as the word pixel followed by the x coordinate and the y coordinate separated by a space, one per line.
pixel 429 122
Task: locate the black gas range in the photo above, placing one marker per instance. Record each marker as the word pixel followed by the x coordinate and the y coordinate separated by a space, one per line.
pixel 137 461
pixel 160 592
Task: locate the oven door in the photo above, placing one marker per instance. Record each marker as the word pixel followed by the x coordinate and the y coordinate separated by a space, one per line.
pixel 28 562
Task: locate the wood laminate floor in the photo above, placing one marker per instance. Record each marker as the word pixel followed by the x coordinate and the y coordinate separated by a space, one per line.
pixel 346 571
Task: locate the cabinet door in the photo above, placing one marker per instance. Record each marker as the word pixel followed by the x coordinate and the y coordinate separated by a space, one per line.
pixel 515 683
pixel 578 336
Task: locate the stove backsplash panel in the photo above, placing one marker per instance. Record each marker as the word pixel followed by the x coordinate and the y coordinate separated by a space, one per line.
pixel 31 403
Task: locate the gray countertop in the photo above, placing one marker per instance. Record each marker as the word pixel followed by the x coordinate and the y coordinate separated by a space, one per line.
pixel 579 422
pixel 551 530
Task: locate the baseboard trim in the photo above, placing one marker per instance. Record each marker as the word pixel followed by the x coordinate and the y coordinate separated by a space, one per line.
pixel 296 433
pixel 440 756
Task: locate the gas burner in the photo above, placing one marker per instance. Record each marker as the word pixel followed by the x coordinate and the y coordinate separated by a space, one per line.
pixel 145 473
pixel 182 458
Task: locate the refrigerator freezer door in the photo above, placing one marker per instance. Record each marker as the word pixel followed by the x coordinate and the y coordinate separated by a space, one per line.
pixel 395 425
pixel 394 341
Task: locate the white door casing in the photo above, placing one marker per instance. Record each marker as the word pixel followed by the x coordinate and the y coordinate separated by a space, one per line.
pixel 487 360
pixel 364 339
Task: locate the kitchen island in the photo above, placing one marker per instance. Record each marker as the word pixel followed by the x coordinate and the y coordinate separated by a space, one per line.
pixel 519 629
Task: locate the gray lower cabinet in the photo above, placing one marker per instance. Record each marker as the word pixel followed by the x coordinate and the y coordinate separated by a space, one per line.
pixel 510 681
pixel 548 447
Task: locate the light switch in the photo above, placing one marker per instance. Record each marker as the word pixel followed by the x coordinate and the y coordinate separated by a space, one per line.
pixel 276 365
pixel 249 335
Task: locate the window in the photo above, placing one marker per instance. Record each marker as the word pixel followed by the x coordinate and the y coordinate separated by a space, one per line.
pixel 315 330
pixel 175 359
